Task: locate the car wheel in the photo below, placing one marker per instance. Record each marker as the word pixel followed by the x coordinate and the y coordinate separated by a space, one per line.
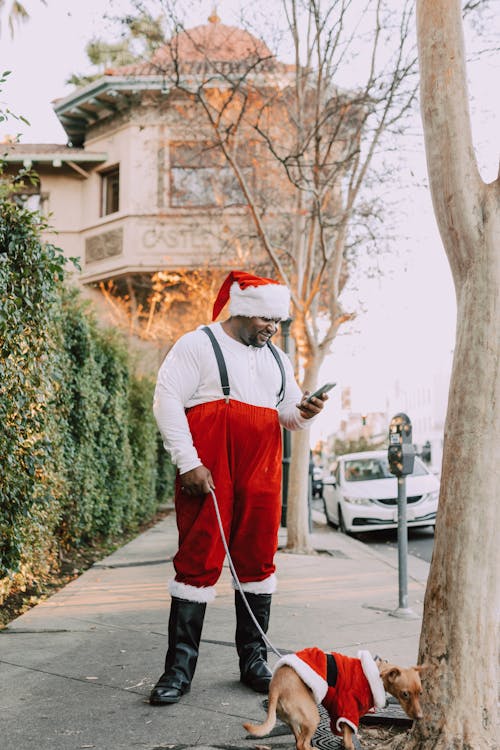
pixel 342 526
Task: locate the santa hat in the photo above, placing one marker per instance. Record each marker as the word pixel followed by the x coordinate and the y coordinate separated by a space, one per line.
pixel 253 297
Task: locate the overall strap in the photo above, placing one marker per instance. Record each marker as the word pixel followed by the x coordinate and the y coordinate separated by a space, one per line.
pixel 223 370
pixel 220 362
pixel 275 353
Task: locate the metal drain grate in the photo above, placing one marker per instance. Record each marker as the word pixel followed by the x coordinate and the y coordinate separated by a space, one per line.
pixel 391 714
pixel 333 553
pixel 324 739
pixel 330 552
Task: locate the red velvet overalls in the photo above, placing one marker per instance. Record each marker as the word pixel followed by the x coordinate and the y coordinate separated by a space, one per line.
pixel 241 445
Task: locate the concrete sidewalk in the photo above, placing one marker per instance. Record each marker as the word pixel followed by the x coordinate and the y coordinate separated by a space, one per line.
pixel 77 669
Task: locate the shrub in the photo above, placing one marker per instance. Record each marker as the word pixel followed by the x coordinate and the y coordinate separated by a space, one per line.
pixel 31 277
pixel 79 448
pixel 110 445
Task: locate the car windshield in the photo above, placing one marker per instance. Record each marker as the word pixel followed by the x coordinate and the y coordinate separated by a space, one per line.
pixel 366 469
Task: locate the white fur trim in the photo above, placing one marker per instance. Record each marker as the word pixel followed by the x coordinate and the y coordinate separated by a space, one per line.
pixel 312 679
pixel 343 720
pixel 264 301
pixel 267 586
pixel 191 593
pixel 373 676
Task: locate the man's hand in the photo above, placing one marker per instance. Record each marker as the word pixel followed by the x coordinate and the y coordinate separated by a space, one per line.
pixel 198 481
pixel 309 409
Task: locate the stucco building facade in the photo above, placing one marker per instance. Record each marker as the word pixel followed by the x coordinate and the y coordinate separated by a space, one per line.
pixel 137 188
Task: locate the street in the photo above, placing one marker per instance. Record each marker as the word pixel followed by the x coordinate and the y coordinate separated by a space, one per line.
pixel 420 540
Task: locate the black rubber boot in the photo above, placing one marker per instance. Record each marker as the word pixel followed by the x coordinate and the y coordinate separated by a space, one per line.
pixel 184 633
pixel 250 644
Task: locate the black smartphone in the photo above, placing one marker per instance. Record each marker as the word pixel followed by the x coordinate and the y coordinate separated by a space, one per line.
pixel 324 389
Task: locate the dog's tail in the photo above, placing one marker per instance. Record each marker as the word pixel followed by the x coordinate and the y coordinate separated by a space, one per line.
pixel 260 730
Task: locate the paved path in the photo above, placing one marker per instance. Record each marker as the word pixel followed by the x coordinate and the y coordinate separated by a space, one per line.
pixel 76 670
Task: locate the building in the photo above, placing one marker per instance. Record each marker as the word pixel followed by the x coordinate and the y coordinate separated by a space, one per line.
pixel 424 400
pixel 372 427
pixel 139 187
pixel 423 397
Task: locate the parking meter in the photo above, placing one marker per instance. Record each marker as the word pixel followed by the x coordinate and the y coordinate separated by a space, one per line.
pixel 401 457
pixel 401 451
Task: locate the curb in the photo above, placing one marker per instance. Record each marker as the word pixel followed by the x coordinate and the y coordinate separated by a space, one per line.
pixel 418 569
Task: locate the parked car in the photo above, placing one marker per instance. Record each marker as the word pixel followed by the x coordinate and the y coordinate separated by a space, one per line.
pixel 362 495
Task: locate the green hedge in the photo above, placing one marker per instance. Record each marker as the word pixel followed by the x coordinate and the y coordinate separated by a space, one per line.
pixel 80 454
pixel 31 277
pixel 112 450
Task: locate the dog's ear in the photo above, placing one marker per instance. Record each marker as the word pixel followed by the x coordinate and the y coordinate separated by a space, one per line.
pixel 390 673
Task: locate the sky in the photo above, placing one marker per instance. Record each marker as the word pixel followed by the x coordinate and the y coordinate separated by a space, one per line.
pixel 408 327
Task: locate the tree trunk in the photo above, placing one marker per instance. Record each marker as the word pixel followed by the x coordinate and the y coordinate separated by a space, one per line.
pixel 297 518
pixel 297 521
pixel 459 637
pixel 459 634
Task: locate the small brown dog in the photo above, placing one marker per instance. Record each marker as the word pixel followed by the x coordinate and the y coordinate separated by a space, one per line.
pixel 348 688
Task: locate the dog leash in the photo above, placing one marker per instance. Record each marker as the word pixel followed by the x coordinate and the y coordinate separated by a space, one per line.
pixel 236 579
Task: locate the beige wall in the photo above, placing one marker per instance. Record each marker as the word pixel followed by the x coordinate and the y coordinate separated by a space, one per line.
pixel 64 188
pixel 146 234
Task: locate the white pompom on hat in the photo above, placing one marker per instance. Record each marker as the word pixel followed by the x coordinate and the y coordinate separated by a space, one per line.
pixel 253 297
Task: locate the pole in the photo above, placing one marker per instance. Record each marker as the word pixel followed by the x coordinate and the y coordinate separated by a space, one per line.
pixel 402 544
pixel 287 438
pixel 310 477
pixel 403 610
pixel 287 445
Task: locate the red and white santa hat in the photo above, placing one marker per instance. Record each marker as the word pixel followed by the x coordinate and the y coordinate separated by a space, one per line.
pixel 253 297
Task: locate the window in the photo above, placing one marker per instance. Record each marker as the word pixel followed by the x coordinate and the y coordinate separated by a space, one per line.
pixel 367 469
pixel 110 191
pixel 200 177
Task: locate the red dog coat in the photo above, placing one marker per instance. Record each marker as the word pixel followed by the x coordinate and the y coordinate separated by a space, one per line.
pixel 357 689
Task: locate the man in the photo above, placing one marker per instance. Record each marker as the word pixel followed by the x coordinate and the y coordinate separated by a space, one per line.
pixel 223 393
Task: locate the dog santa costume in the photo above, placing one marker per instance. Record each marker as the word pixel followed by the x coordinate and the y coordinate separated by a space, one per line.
pixel 347 687
pixel 221 403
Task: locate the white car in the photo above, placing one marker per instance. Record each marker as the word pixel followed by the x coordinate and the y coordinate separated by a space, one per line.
pixel 362 494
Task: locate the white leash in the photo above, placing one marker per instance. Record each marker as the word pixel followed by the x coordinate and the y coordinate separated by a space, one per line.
pixel 235 577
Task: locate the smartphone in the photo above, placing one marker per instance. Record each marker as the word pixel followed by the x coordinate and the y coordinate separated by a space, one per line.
pixel 324 389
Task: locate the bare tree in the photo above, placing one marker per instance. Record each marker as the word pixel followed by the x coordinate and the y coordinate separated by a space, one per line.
pixel 459 639
pixel 301 149
pixel 160 308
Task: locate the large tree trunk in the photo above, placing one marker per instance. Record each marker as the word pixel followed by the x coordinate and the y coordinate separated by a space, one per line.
pixel 459 636
pixel 297 518
pixel 297 521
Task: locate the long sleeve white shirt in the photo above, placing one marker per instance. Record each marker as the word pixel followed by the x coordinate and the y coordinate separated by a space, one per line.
pixel 189 376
